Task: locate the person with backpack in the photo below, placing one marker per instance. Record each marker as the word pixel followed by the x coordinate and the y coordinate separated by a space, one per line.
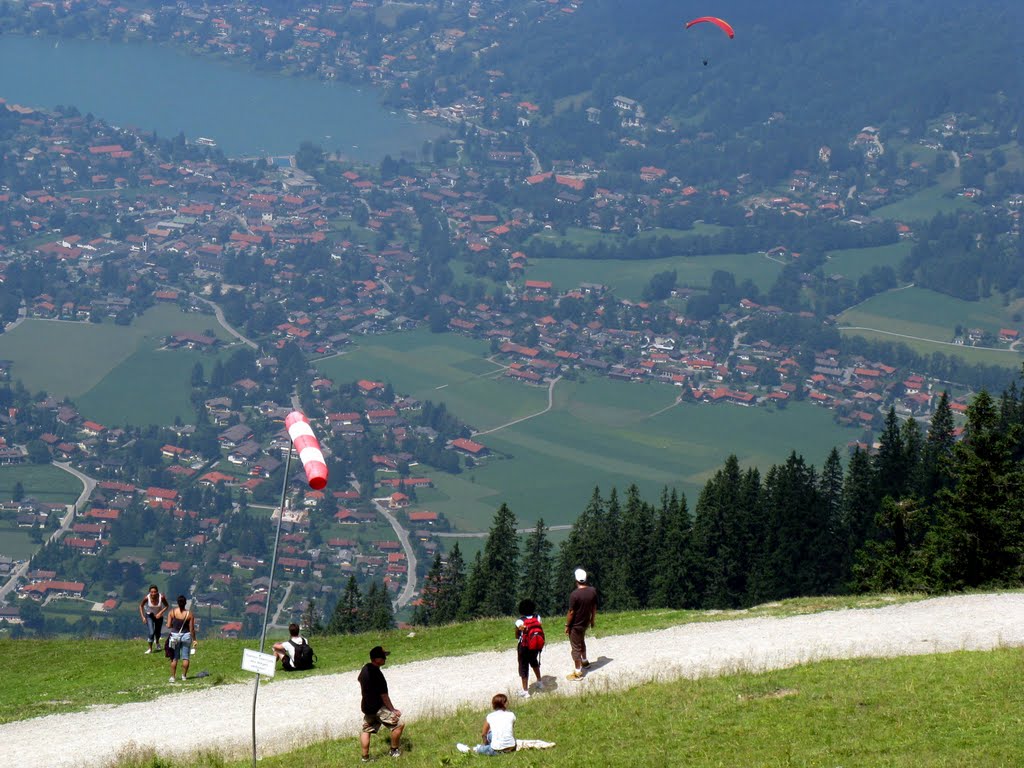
pixel 529 644
pixel 295 653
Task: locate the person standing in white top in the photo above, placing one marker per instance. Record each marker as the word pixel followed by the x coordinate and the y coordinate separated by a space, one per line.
pixel 152 609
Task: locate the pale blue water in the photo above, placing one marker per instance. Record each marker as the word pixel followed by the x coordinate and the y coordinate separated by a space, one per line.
pixel 159 88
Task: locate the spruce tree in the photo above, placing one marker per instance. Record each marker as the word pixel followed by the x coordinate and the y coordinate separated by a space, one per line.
pixel 452 587
pixel 859 509
pixel 345 618
pixel 633 568
pixel 937 454
pixel 673 585
pixel 471 606
pixel 538 564
pixel 717 539
pixel 890 471
pixel 425 611
pixel 579 550
pixel 501 565
pixel 830 487
pixel 375 613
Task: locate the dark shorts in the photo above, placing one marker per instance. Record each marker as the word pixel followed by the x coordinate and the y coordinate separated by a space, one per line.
pixel 383 716
pixel 528 659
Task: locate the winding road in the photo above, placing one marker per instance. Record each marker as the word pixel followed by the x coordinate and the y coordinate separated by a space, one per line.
pixel 409 590
pixel 88 485
pixel 551 403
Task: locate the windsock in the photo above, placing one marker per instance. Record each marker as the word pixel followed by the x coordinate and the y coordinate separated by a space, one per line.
pixel 308 446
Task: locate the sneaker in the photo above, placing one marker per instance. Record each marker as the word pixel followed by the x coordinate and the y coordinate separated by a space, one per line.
pixel 462 747
pixel 184 678
pixel 574 676
pixel 170 679
pixel 157 647
pixel 584 663
pixel 395 752
pixel 523 694
pixel 148 650
pixel 366 759
pixel 540 685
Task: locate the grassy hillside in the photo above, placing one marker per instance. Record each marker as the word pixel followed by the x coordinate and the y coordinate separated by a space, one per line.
pixel 116 671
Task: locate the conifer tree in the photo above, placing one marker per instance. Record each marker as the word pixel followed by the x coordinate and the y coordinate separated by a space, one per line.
pixel 895 559
pixel 859 509
pixel 831 490
pixel 375 612
pixel 345 618
pixel 937 454
pixel 579 550
pixel 501 565
pixel 452 588
pixel 673 584
pixel 717 539
pixel 471 605
pixel 913 454
pixel 633 567
pixel 890 472
pixel 538 563
pixel 424 614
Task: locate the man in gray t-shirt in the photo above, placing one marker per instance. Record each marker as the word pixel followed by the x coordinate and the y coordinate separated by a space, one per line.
pixel 582 614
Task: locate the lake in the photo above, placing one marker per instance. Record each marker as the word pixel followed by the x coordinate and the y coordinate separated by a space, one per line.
pixel 169 91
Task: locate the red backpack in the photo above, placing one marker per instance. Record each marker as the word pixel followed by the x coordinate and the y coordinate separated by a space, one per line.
pixel 532 637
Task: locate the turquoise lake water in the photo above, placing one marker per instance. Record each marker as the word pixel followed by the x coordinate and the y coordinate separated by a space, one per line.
pixel 167 90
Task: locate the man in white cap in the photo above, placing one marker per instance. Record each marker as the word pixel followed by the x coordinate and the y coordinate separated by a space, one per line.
pixel 582 613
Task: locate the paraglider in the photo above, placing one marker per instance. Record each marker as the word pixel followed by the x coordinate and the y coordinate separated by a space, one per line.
pixel 720 23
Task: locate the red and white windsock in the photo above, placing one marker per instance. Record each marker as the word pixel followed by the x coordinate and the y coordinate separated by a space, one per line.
pixel 308 446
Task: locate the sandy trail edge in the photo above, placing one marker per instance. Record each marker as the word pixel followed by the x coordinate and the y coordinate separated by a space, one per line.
pixel 222 717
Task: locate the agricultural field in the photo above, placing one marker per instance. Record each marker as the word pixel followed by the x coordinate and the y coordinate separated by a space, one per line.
pixel 627 278
pixel 853 263
pixel 931 318
pixel 42 482
pixel 116 374
pixel 548 466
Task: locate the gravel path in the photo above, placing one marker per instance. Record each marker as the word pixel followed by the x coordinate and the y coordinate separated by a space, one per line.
pixel 222 717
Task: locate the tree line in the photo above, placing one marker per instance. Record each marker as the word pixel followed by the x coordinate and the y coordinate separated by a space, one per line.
pixel 934 508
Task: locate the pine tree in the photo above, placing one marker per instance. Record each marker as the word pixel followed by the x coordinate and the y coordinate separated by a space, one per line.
pixel 830 487
pixel 375 613
pixel 717 539
pixel 345 618
pixel 501 565
pixel 859 509
pixel 425 612
pixel 538 564
pixel 913 455
pixel 453 585
pixel 895 559
pixel 890 471
pixel 673 585
pixel 471 606
pixel 937 454
pixel 633 569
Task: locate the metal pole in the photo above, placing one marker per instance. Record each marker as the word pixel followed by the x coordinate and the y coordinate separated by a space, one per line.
pixel 270 591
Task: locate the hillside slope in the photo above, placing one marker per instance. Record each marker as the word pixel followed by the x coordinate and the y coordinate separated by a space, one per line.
pixel 329 704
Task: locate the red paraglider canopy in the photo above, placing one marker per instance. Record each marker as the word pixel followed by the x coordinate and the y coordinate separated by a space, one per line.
pixel 721 24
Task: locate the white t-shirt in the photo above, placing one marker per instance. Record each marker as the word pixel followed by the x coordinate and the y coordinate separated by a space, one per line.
pixel 502 735
pixel 289 647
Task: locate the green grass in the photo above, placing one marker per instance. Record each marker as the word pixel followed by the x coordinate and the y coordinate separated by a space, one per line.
pixel 15 542
pixel 933 316
pixel 627 278
pixel 116 671
pixel 924 205
pixel 855 262
pixel 133 383
pixel 43 482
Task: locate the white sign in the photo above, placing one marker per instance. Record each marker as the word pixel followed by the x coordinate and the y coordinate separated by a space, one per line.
pixel 260 663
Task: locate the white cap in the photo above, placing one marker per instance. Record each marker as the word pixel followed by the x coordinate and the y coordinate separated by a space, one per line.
pixel 581 575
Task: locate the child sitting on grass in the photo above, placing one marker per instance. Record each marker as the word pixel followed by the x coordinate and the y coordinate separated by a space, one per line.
pixel 498 733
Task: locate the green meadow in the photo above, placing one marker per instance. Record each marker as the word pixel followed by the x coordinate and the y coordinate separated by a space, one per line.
pixel 853 263
pixel 627 278
pixel 933 317
pixel 116 374
pixel 599 433
pixel 43 482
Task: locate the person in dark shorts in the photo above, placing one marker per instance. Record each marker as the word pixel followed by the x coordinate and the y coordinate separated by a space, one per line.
pixel 582 614
pixel 376 704
pixel 528 659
